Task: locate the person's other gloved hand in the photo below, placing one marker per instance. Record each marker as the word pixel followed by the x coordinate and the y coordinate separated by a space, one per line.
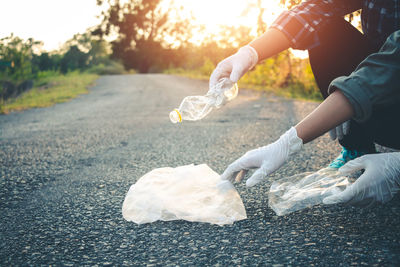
pixel 340 131
pixel 267 159
pixel 235 66
pixel 378 184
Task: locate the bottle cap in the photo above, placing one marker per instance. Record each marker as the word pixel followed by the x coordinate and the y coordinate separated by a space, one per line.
pixel 175 116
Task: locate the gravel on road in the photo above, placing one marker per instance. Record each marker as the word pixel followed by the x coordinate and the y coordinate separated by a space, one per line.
pixel 65 170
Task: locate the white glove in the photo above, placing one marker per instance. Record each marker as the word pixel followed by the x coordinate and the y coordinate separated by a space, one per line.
pixel 378 184
pixel 340 131
pixel 267 159
pixel 235 66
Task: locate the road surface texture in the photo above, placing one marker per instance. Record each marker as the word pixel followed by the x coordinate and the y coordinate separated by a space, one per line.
pixel 65 171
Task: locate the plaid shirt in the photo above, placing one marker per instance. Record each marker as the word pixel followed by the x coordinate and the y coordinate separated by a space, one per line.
pixel 379 18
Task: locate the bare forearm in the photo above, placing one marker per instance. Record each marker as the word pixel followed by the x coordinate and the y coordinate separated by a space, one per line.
pixel 334 110
pixel 270 43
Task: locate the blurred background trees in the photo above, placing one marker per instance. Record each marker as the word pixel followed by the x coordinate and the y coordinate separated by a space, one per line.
pixel 155 36
pixel 16 57
pixel 139 27
pixel 22 62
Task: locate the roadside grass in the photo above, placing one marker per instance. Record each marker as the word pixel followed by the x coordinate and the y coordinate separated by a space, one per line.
pixel 294 91
pixel 194 74
pixel 50 88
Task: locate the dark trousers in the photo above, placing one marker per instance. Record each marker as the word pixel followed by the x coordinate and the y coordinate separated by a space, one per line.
pixel 342 48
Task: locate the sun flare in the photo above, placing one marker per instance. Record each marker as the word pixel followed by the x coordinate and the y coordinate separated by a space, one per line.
pixel 213 14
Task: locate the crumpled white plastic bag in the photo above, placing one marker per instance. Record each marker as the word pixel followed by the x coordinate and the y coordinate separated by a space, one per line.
pixel 191 193
pixel 305 190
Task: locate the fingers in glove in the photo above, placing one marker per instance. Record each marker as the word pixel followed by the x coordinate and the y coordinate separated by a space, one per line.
pixel 342 197
pixel 228 175
pixel 350 192
pixel 352 166
pixel 214 78
pixel 257 177
pixel 231 172
pixel 260 174
pixel 350 197
pixel 371 193
pixel 357 194
pixel 237 72
pixel 223 69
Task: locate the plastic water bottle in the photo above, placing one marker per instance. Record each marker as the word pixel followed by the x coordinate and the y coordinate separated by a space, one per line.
pixel 195 108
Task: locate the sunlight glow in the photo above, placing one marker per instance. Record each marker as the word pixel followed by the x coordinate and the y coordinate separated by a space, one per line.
pixel 215 13
pixel 54 22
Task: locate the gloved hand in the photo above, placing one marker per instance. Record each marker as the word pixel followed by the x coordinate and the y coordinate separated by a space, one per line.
pixel 267 159
pixel 235 66
pixel 340 131
pixel 378 184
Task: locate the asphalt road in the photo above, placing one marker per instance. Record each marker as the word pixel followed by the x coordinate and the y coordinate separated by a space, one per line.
pixel 65 170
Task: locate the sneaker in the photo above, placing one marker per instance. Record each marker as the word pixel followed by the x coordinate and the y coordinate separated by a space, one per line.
pixel 345 156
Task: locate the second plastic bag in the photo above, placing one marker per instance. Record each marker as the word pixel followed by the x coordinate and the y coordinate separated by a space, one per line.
pixel 192 193
pixel 305 190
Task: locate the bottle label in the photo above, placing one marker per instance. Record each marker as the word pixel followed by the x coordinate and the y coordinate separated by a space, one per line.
pixel 179 114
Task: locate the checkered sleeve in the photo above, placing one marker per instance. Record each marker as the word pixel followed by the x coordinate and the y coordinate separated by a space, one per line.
pixel 301 23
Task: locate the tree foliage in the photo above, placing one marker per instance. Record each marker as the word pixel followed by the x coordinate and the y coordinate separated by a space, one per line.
pixel 83 51
pixel 23 59
pixel 150 36
pixel 18 53
pixel 141 26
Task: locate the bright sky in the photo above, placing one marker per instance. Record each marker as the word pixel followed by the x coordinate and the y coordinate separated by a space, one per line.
pixel 50 21
pixel 230 12
pixel 56 21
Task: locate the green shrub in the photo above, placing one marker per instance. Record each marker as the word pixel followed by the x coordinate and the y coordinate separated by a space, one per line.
pixel 52 89
pixel 282 74
pixel 207 67
pixel 111 68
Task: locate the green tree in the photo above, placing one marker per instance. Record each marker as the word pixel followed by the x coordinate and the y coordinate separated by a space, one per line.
pixel 18 52
pixel 46 61
pixel 97 50
pixel 73 59
pixel 82 51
